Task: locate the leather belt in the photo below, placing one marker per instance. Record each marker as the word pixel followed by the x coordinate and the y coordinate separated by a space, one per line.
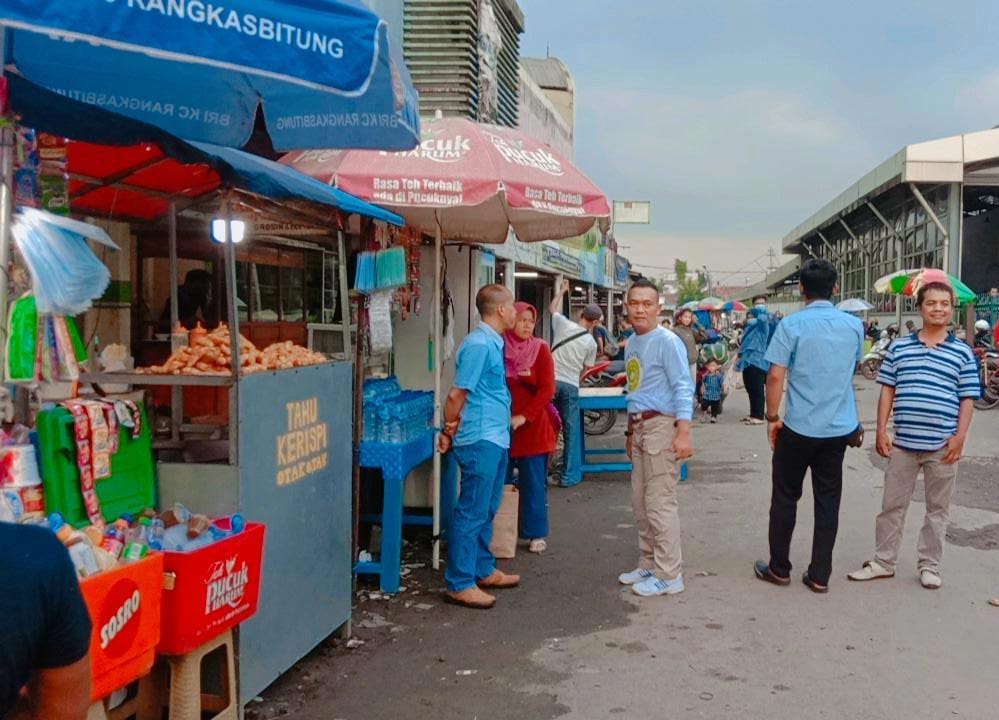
pixel 646 415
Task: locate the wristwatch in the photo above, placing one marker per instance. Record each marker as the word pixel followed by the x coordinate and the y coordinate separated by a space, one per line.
pixel 773 418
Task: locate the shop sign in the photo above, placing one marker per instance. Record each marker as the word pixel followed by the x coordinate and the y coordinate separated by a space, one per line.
pixel 558 258
pixel 302 450
pixel 593 266
pixel 514 249
pixel 286 229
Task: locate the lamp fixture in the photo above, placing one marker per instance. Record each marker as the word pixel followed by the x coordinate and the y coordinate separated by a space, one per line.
pixel 237 230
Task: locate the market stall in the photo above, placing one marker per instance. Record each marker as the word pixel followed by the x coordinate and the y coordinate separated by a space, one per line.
pixel 468 183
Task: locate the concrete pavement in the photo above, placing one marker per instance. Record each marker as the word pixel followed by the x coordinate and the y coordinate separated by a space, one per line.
pixel 572 643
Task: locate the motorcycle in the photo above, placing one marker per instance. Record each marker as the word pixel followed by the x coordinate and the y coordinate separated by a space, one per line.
pixel 871 362
pixel 599 422
pixel 989 373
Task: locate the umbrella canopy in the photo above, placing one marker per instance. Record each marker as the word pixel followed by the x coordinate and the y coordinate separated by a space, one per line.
pixel 854 305
pixel 908 282
pixel 474 180
pixel 690 305
pixel 710 303
pixel 734 306
pixel 323 71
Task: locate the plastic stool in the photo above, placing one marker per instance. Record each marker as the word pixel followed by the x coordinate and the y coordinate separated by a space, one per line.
pixel 96 711
pixel 144 701
pixel 187 702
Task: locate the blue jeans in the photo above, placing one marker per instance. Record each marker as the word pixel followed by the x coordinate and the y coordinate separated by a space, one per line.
pixel 567 402
pixel 483 472
pixel 532 483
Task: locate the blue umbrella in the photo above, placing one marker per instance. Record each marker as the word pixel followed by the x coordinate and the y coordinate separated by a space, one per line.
pixel 323 72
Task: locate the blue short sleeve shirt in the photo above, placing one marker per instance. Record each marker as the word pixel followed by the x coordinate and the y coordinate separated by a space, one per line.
pixel 481 371
pixel 820 346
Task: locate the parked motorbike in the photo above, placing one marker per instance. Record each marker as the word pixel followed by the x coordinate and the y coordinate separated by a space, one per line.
pixel 870 364
pixel 989 373
pixel 598 422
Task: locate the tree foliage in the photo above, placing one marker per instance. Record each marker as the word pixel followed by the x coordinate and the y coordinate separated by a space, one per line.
pixel 691 287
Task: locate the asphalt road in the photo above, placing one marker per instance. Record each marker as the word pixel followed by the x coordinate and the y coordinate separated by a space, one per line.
pixel 571 643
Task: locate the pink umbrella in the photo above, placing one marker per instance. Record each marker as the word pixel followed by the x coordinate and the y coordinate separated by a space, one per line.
pixel 469 183
pixel 473 181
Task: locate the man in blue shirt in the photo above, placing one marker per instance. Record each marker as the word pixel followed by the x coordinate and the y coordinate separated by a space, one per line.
pixel 929 381
pixel 816 351
pixel 477 426
pixel 752 361
pixel 660 405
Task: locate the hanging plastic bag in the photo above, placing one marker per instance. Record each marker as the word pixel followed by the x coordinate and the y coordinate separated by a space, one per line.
pixel 66 275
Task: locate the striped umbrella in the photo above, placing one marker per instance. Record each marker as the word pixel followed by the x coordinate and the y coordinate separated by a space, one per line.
pixel 908 282
pixel 734 306
pixel 710 303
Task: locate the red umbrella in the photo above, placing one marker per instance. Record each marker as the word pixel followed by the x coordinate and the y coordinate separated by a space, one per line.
pixel 475 180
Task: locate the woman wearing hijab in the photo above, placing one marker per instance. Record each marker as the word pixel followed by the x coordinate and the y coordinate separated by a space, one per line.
pixel 530 373
pixel 752 362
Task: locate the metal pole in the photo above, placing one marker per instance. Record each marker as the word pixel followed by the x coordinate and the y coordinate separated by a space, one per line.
pixel 229 256
pixel 6 206
pixel 936 221
pixel 344 290
pixel 437 339
pixel 176 392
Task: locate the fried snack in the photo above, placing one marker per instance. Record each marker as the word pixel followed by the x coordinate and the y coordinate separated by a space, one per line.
pixel 212 355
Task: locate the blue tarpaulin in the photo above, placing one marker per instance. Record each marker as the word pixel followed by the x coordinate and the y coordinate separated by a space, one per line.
pixel 323 72
pixel 48 112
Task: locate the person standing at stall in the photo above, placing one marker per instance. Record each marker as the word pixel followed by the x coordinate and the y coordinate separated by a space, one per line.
pixel 660 407
pixel 477 426
pixel 530 373
pixel 574 350
pixel 44 629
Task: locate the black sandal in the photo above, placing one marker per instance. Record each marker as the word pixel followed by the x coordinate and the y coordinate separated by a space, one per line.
pixel 764 573
pixel 814 586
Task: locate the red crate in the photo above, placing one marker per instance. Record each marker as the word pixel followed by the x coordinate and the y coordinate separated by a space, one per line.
pixel 214 589
pixel 124 606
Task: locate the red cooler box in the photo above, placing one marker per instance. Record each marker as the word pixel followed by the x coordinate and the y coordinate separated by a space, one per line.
pixel 124 606
pixel 213 589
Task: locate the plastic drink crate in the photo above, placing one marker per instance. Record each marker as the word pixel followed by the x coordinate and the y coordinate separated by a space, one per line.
pixel 124 606
pixel 130 489
pixel 213 589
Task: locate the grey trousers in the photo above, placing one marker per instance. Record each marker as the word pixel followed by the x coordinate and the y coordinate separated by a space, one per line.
pixel 900 482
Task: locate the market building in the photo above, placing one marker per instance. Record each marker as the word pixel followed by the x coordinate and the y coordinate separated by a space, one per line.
pixel 931 204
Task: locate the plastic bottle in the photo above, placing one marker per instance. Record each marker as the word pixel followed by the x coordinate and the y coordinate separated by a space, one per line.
pixel 81 552
pixel 156 530
pixel 114 541
pixel 137 546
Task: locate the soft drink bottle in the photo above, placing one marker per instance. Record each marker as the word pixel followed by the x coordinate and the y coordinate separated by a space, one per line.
pixel 156 530
pixel 113 542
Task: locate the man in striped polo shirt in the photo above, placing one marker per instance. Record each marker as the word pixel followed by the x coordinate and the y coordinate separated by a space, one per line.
pixel 930 381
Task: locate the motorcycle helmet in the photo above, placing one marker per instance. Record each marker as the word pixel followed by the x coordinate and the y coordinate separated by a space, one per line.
pixel 982 326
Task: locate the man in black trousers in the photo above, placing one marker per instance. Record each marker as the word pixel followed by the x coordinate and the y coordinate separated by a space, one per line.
pixel 816 350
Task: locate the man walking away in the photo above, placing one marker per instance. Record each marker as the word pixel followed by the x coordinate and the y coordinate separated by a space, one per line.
pixel 44 629
pixel 660 406
pixel 929 381
pixel 816 350
pixel 477 425
pixel 574 350
pixel 752 361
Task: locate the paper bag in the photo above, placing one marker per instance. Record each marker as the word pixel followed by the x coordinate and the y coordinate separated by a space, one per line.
pixel 504 544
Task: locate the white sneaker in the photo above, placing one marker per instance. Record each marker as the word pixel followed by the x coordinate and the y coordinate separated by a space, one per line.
pixel 872 570
pixel 635 576
pixel 930 579
pixel 653 586
pixel 537 545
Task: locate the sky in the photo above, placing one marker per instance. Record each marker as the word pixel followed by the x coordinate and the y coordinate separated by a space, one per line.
pixel 739 119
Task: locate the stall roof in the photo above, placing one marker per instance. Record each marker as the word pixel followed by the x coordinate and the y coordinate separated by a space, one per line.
pixel 125 168
pixel 139 181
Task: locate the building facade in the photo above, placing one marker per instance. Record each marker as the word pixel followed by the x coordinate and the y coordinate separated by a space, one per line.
pixel 932 204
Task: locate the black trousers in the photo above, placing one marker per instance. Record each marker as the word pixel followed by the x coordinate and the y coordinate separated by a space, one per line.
pixel 755 381
pixel 713 405
pixel 793 455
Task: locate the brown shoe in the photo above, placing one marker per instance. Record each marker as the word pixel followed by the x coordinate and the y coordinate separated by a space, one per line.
pixel 471 598
pixel 499 579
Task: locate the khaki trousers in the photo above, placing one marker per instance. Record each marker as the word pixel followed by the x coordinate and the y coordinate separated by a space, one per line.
pixel 900 482
pixel 654 476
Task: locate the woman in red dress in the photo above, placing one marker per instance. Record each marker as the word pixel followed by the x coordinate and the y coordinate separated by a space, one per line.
pixel 530 373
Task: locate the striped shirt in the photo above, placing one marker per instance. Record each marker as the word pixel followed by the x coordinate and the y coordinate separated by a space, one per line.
pixel 929 386
pixel 712 387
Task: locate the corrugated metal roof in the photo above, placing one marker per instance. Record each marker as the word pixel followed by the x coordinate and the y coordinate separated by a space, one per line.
pixel 550 73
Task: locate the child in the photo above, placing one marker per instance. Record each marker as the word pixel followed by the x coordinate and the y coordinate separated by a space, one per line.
pixel 712 385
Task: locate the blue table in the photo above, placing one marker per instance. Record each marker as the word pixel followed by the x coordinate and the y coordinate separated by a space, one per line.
pixel 606 402
pixel 396 462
